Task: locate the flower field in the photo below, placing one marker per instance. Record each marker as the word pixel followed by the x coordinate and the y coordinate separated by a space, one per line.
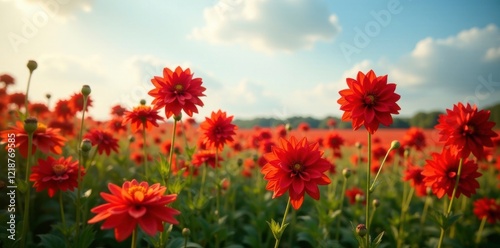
pixel 152 176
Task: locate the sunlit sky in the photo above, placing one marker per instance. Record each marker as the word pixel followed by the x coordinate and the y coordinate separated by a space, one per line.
pixel 267 58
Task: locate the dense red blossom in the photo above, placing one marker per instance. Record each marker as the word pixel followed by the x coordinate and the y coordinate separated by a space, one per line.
pixel 56 174
pixel 487 208
pixel 116 125
pixel 65 127
pixel 103 139
pixel 118 110
pixel 76 102
pixel 415 138
pixel 303 126
pixel 218 129
pixel 333 140
pixel 63 110
pixel 466 130
pixel 297 167
pixel 38 109
pixel 369 101
pixel 177 91
pixel 45 139
pixel 206 157
pixel 440 174
pixel 414 175
pixel 353 192
pixel 7 79
pixel 141 117
pixel 17 99
pixel 135 204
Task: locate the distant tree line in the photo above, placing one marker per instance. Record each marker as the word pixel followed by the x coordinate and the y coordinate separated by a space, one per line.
pixel 420 119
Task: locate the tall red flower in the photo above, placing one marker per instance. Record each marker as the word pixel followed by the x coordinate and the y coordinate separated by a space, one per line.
pixel 76 102
pixel 177 91
pixel 38 109
pixel 334 141
pixel 103 139
pixel 489 208
pixel 63 110
pixel 118 110
pixel 205 157
pixel 414 137
pixel 56 174
pixel 142 116
pixel 7 79
pixel 354 192
pixel 17 99
pixel 135 204
pixel 440 174
pixel 296 167
pixel 414 175
pixel 466 130
pixel 369 101
pixel 218 129
pixel 45 139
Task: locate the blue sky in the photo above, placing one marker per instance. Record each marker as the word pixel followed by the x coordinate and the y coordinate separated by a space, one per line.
pixel 272 58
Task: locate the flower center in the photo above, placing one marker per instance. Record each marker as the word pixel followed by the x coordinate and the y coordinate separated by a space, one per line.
pixel 297 168
pixel 41 128
pixel 369 99
pixel 452 174
pixel 59 169
pixel 137 192
pixel 469 130
pixel 178 87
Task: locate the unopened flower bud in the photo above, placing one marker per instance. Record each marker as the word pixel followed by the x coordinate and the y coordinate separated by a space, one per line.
pixel 361 230
pixel 358 145
pixel 131 138
pixel 48 95
pixel 86 90
pixel 32 65
pixel 288 127
pixel 359 198
pixel 30 125
pixel 428 190
pixel 239 162
pixel 186 232
pixel 178 117
pixel 346 172
pixel 255 157
pixel 395 145
pixel 143 102
pixel 86 145
pixel 376 203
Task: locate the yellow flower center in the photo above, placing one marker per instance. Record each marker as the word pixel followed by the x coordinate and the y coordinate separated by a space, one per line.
pixel 59 169
pixel 137 192
pixel 178 87
pixel 369 99
pixel 41 128
pixel 297 167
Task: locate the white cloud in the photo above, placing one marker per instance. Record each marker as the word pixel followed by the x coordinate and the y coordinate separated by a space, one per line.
pixel 265 25
pixel 492 54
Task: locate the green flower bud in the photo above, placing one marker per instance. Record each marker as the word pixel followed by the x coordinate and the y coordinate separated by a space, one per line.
pixel 361 230
pixel 86 90
pixel 142 102
pixel 186 232
pixel 30 125
pixel 32 65
pixel 346 172
pixel 395 145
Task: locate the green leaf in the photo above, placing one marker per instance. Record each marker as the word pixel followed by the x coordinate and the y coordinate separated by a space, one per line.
pixel 376 242
pixel 51 240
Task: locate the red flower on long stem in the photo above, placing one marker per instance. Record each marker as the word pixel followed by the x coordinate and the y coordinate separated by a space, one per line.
pixel 56 174
pixel 177 91
pixel 45 139
pixel 440 174
pixel 354 193
pixel 103 139
pixel 135 204
pixel 296 167
pixel 466 130
pixel 489 208
pixel 76 102
pixel 142 116
pixel 414 175
pixel 218 129
pixel 414 137
pixel 369 101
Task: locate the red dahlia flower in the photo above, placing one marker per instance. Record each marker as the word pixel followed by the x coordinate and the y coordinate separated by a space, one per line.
pixel 440 174
pixel 296 167
pixel 76 102
pixel 54 175
pixel 118 110
pixel 135 204
pixel 45 139
pixel 218 130
pixel 353 192
pixel 414 175
pixel 104 141
pixel 369 101
pixel 465 129
pixel 63 110
pixel 488 208
pixel 206 157
pixel 141 116
pixel 176 91
pixel 414 137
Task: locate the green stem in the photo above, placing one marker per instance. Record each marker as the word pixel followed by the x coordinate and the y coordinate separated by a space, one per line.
pixel 217 181
pixel 459 173
pixel 405 204
pixel 276 245
pixel 368 171
pixel 79 177
pixel 144 151
pixel 380 169
pixel 342 195
pixel 480 232
pixel 172 144
pixel 61 207
pixel 24 233
pixel 26 98
pixel 134 238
